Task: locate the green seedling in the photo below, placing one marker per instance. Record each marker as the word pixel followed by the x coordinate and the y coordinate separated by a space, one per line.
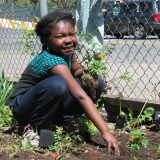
pixel 5 90
pixel 95 67
pixel 13 154
pixel 134 158
pixel 132 122
pixel 94 61
pixel 86 126
pixel 28 38
pixel 27 146
pixel 157 149
pixel 137 140
pixel 64 143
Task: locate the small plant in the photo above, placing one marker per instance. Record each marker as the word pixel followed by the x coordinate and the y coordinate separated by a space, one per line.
pixel 28 38
pixel 134 158
pixel 137 140
pixel 146 116
pixel 63 143
pixel 95 67
pixel 85 125
pixel 94 59
pixel 93 63
pixel 131 122
pixel 5 90
pixel 27 146
pixel 157 149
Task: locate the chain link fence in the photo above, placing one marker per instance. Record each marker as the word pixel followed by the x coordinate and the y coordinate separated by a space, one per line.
pixel 135 51
pixel 134 28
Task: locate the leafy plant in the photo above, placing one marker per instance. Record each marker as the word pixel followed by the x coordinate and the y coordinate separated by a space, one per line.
pixel 96 66
pixel 157 149
pixel 28 38
pixel 132 122
pixel 94 59
pixel 63 142
pixel 137 140
pixel 85 125
pixel 62 4
pixel 27 146
pixel 147 115
pixel 5 112
pixel 125 76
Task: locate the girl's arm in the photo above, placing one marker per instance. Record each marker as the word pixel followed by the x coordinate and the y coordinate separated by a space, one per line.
pixel 87 104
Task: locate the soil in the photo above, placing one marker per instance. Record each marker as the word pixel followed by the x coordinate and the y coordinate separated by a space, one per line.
pixel 93 149
pixel 90 86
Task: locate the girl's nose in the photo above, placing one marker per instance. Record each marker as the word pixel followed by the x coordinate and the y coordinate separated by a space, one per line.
pixel 68 39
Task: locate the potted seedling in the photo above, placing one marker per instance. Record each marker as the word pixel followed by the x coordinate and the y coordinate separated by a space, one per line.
pixel 94 64
pixel 89 80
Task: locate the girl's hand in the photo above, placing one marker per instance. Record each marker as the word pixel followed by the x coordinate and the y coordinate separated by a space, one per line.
pixel 112 143
pixel 79 73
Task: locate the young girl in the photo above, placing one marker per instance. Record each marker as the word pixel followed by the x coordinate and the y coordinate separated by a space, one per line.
pixel 47 89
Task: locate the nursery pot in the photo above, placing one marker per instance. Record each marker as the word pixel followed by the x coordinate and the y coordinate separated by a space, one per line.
pixel 121 121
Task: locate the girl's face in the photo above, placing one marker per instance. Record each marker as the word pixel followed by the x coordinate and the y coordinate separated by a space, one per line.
pixel 63 38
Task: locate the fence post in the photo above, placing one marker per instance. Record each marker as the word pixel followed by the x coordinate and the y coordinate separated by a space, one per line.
pixel 43 7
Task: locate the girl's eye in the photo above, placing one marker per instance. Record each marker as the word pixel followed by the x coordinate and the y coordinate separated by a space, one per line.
pixel 63 36
pixel 73 34
pixel 60 37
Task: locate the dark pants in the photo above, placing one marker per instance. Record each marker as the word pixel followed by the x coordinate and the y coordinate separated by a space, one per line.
pixel 49 102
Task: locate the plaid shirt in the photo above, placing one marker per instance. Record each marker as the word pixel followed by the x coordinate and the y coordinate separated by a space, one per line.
pixel 44 62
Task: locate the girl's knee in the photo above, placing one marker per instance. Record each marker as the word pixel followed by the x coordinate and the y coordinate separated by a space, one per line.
pixel 55 85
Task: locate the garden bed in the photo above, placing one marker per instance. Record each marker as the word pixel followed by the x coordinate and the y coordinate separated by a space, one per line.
pixel 93 149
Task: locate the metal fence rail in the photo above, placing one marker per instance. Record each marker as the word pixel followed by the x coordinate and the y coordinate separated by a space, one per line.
pixel 138 57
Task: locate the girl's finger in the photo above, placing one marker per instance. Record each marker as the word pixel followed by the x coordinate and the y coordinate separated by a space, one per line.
pixel 117 151
pixel 109 148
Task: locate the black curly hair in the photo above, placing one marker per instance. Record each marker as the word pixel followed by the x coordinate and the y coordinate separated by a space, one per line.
pixel 45 25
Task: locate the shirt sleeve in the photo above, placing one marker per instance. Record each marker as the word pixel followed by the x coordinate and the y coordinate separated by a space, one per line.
pixel 43 63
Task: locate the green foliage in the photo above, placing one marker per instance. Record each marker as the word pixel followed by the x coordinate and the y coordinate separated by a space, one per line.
pixel 5 90
pixel 157 149
pixel 26 145
pixel 97 66
pixel 94 59
pixel 61 4
pixel 137 140
pixel 126 76
pixel 87 38
pixel 14 148
pixel 5 116
pixel 134 158
pixel 22 2
pixel 146 116
pixel 85 125
pixel 64 142
pixel 28 38
pixel 51 3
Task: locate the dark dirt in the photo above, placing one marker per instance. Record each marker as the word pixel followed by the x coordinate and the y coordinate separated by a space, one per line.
pixel 90 86
pixel 94 149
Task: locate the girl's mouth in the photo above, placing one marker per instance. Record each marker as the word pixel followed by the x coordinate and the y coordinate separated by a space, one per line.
pixel 68 49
